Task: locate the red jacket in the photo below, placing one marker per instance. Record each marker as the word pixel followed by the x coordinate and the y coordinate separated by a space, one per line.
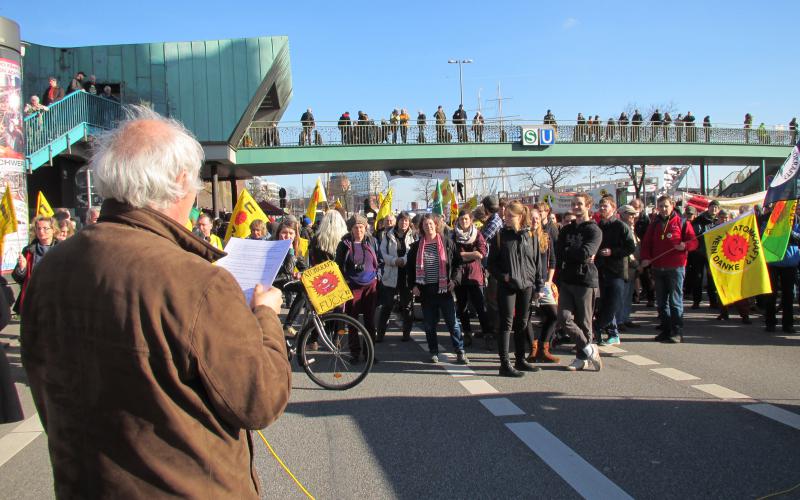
pixel 658 244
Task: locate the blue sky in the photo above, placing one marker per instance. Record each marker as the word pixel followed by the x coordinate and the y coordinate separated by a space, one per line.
pixel 718 58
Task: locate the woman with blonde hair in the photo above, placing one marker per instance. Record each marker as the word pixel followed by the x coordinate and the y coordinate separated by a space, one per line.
pixel 544 245
pixel 515 263
pixel 332 229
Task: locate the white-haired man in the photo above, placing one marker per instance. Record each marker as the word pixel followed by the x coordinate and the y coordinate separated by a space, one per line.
pixel 145 362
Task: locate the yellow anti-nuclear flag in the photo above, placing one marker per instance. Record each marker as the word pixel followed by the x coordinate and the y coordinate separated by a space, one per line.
pixel 8 216
pixel 43 207
pixel 245 212
pixel 385 208
pixel 736 259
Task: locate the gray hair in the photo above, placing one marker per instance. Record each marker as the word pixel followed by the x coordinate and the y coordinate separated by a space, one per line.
pixel 331 230
pixel 138 162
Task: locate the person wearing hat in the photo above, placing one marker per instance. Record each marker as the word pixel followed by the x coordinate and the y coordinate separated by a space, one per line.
pixel 306 231
pixel 358 258
pixel 698 261
pixel 422 120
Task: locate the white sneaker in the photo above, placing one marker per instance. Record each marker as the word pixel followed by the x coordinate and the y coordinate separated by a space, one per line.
pixel 577 365
pixel 595 359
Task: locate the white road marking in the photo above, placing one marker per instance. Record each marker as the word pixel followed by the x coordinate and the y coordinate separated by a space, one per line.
pixel 610 349
pixel 22 435
pixel 674 374
pixel 458 370
pixel 577 472
pixel 478 387
pixel 720 392
pixel 501 407
pixel 639 360
pixel 775 413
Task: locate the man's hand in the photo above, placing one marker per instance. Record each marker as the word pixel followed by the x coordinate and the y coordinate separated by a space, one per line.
pixel 400 262
pixel 22 262
pixel 415 291
pixel 605 252
pixel 645 263
pixel 269 297
pixel 680 246
pixel 451 286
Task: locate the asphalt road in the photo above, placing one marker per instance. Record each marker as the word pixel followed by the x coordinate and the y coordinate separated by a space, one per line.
pixel 715 417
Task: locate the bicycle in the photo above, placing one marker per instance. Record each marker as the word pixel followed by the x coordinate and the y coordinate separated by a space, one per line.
pixel 334 350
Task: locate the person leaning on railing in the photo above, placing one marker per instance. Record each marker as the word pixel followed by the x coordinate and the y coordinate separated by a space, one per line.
pixel 441 121
pixel 422 120
pixel 793 130
pixel 34 106
pixel 707 128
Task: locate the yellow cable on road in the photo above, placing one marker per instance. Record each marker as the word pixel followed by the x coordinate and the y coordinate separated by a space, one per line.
pixel 779 493
pixel 284 466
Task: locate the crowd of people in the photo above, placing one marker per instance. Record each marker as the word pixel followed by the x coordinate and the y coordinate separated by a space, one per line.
pixel 636 128
pixel 504 263
pixel 54 93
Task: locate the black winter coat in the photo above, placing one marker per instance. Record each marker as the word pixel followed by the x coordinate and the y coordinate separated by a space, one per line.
pixel 513 260
pixel 616 236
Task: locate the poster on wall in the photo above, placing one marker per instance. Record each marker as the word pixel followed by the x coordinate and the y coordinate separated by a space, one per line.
pixel 12 157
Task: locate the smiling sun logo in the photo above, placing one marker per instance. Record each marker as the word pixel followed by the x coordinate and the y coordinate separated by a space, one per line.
pixel 735 247
pixel 325 283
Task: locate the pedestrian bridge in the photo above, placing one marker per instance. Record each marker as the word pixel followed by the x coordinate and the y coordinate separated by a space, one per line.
pixel 270 149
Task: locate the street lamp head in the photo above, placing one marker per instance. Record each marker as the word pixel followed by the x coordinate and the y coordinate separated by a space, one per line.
pixel 466 61
pixel 452 61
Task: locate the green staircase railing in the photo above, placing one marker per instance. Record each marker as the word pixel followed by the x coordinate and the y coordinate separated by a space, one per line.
pixel 72 119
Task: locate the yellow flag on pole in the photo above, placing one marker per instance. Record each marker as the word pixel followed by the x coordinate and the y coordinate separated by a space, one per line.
pixel 245 212
pixel 8 216
pixel 736 259
pixel 317 196
pixel 386 207
pixel 471 204
pixel 43 207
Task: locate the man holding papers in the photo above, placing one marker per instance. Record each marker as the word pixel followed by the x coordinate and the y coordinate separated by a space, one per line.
pixel 146 364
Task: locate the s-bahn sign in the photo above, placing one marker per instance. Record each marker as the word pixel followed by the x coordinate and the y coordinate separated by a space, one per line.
pixel 538 135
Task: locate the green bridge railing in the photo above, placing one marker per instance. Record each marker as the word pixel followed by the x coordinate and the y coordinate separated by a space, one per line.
pixel 272 135
pixel 72 119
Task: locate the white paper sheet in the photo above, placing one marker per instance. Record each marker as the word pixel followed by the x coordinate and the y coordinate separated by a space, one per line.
pixel 254 261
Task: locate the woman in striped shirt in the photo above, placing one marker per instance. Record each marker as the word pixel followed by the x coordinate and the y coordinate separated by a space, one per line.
pixel 433 275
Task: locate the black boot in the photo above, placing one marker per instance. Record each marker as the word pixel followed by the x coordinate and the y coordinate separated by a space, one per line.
pixel 506 370
pixel 523 366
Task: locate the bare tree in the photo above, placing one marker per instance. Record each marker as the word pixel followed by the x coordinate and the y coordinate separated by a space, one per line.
pixel 550 177
pixel 424 190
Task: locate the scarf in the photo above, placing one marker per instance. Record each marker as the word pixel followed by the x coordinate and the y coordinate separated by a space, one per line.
pixel 420 267
pixel 466 237
pixel 39 251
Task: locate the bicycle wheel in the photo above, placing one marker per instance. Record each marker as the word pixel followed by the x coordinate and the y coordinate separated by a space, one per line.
pixel 340 355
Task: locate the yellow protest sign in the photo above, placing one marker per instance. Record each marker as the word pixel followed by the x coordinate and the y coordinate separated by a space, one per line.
pixel 302 247
pixel 326 286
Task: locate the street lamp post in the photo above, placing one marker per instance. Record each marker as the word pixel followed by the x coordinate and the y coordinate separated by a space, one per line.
pixel 460 62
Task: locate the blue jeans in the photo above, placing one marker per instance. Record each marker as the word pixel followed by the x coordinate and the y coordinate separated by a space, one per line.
pixel 669 298
pixel 624 313
pixel 611 291
pixel 432 304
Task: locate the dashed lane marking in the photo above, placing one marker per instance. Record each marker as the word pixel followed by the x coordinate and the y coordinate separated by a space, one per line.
pixel 501 407
pixel 22 435
pixel 478 387
pixel 720 392
pixel 577 472
pixel 639 360
pixel 674 374
pixel 611 349
pixel 775 413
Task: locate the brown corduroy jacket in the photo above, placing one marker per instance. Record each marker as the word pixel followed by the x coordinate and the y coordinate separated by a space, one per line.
pixel 146 364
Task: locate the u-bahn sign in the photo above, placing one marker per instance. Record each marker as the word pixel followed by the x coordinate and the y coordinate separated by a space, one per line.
pixel 538 135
